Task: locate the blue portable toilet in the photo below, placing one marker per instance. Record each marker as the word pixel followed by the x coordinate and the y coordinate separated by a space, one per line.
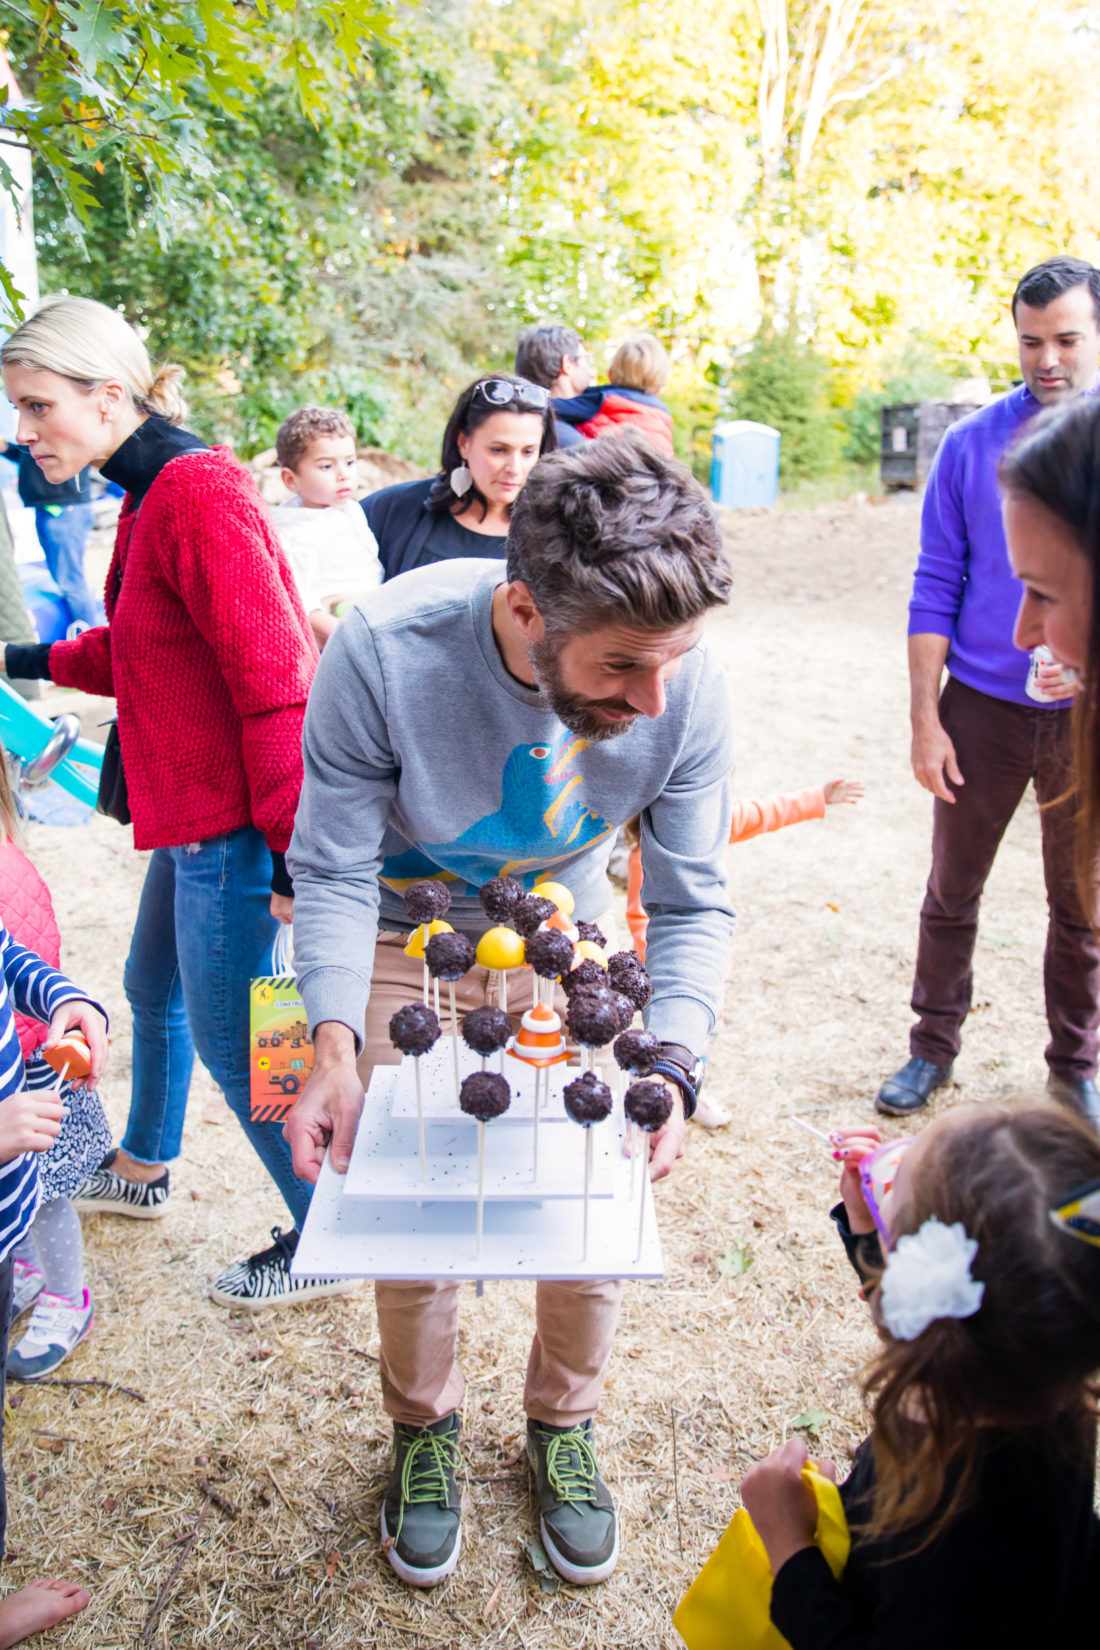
pixel 744 469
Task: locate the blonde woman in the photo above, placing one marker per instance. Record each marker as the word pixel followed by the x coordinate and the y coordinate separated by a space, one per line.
pixel 209 657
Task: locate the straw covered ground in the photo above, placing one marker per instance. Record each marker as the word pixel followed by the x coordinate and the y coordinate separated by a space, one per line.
pixel 225 1492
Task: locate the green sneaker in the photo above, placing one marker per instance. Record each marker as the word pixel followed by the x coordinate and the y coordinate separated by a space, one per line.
pixel 578 1525
pixel 422 1512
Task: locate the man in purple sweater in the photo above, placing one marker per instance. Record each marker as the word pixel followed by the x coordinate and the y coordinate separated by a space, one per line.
pixel 977 743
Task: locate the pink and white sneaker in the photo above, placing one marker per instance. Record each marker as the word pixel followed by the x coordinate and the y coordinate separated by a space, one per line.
pixel 57 1325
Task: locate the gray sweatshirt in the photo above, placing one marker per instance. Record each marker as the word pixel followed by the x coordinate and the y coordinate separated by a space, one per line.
pixel 424 758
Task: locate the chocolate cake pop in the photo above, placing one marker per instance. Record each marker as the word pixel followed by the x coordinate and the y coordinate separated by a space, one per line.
pixel 425 901
pixel 415 1029
pixel 648 1105
pixel 549 953
pixel 587 1099
pixel 585 973
pixel 625 1008
pixel 593 1017
pixel 449 956
pixel 499 898
pixel 485 1095
pixel 530 913
pixel 627 974
pixel 637 1051
pixel 486 1030
pixel 593 932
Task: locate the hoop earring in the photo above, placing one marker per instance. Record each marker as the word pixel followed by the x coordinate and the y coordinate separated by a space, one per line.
pixel 461 480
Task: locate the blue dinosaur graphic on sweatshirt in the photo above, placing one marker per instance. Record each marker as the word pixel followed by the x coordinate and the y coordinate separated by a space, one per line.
pixel 542 820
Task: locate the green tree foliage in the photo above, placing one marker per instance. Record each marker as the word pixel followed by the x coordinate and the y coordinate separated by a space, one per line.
pixel 347 258
pixel 367 204
pixel 785 384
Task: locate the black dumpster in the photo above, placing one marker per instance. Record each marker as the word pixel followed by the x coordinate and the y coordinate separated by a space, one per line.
pixel 911 435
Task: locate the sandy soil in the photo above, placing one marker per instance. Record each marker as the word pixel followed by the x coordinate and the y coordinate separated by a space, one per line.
pixel 279 1415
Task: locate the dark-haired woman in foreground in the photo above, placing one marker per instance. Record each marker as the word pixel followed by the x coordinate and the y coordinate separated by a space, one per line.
pixel 1051 483
pixel 970 1506
pixel 500 427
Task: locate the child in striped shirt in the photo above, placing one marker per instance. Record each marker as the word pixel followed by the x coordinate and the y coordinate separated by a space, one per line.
pixel 30 1121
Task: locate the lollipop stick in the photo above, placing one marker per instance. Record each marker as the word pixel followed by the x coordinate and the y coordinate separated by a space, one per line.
pixel 61 1076
pixel 454 1030
pixel 420 1119
pixel 809 1128
pixel 425 979
pixel 435 986
pixel 641 1214
pixel 538 1079
pixel 483 1062
pixel 632 1146
pixel 504 990
pixel 480 1183
pixel 587 1178
pixel 535 983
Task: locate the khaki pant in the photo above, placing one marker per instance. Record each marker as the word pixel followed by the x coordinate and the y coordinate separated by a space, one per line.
pixel 418 1322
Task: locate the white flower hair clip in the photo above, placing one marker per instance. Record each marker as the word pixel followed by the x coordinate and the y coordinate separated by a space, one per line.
pixel 927 1276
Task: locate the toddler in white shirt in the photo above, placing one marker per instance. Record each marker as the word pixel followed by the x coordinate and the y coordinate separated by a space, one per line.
pixel 323 531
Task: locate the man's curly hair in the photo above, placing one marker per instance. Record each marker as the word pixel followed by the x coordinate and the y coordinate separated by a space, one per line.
pixel 615 531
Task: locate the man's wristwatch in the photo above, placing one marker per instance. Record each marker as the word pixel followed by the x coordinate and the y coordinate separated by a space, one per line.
pixel 679 1065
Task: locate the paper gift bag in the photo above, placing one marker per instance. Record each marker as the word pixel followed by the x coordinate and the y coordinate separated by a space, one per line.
pixel 728 1605
pixel 281 1053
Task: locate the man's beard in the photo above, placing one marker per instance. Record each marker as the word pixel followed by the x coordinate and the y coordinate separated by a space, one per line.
pixel 581 716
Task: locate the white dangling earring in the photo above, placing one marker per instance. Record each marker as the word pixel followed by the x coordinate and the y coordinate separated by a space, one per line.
pixel 461 480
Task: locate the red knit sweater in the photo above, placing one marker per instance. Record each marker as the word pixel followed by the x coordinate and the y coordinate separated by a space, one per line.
pixel 208 654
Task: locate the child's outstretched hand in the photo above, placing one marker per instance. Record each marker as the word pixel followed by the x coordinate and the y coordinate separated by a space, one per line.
pixel 852 1146
pixel 843 790
pixel 30 1121
pixel 84 1017
pixel 782 1507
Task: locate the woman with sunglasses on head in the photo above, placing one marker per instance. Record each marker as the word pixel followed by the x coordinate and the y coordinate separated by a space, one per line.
pixel 500 427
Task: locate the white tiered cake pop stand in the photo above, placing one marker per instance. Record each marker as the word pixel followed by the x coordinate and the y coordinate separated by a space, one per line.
pixel 381 1220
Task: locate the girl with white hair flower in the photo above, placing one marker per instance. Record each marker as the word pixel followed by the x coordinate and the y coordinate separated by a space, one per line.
pixel 970 1505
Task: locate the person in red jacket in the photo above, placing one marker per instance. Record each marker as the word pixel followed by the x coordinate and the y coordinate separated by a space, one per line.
pixel 209 657
pixel 631 398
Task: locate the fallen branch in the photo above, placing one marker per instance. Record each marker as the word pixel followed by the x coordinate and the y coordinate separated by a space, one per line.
pixel 162 1597
pixel 112 1386
pixel 218 1498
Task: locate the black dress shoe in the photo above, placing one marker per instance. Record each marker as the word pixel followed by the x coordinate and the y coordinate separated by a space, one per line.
pixel 1079 1094
pixel 908 1089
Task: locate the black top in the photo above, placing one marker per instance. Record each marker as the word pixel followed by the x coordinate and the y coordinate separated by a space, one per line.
pixel 411 535
pixel 138 462
pixel 1018 1570
pixel 35 490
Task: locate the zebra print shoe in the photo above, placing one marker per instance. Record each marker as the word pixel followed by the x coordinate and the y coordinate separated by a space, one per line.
pixel 265 1280
pixel 106 1193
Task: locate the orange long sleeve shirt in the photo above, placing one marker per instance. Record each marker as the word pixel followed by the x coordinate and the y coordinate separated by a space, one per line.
pixel 749 819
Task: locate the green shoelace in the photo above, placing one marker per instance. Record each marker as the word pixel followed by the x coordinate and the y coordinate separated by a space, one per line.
pixel 429 1459
pixel 570 1465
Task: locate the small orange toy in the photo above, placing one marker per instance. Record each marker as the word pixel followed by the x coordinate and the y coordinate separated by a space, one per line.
pixel 72 1058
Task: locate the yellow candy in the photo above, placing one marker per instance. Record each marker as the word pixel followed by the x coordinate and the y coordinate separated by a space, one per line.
pixel 419 937
pixel 559 893
pixel 589 948
pixel 500 948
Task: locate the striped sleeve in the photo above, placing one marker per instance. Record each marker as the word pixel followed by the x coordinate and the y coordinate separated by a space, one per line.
pixel 37 990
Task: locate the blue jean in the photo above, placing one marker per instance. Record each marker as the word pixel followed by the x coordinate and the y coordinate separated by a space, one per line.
pixel 203 931
pixel 63 538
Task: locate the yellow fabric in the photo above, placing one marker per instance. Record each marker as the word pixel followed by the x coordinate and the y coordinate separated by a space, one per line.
pixel 728 1605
